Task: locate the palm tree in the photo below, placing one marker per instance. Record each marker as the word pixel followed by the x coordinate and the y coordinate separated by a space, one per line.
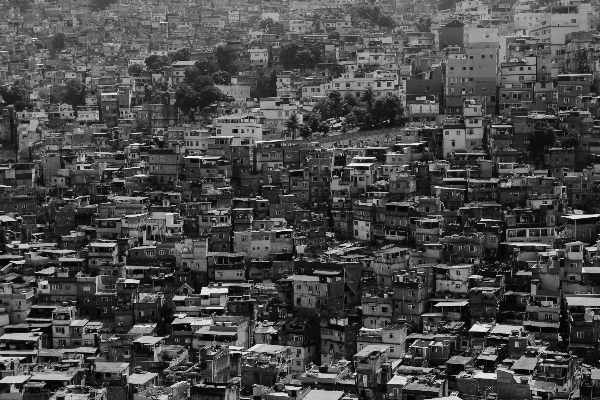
pixel 292 124
pixel 368 97
pixel 317 22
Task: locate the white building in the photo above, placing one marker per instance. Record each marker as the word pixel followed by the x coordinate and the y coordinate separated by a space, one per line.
pixel 552 26
pixel 245 129
pixel 277 111
pixel 196 140
pixel 382 82
pixel 234 16
pixel 258 55
pixel 238 92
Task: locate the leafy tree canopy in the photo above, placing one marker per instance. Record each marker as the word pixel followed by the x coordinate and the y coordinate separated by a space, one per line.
pixel 367 15
pixel 156 63
pixel 206 67
pixel 571 140
pixel 135 69
pixel 543 137
pixel 224 58
pixel 269 25
pixel 299 54
pixel 74 94
pixel 266 85
pixel 181 55
pixel 221 78
pixel 13 94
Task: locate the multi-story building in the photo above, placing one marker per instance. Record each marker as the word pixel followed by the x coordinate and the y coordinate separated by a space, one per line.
pixel 471 75
pixel 17 301
pixel 369 365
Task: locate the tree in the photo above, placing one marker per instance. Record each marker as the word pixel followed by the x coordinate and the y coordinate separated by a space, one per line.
pixel 293 124
pixel 22 105
pixel 543 137
pixel 305 132
pixel 14 94
pixel 581 63
pixel 181 55
pixel 334 35
pixel 206 67
pixel 336 102
pixel 185 98
pixel 314 121
pixel 367 121
pixel 423 24
pixel 161 97
pixel 224 58
pixel 221 78
pixel 366 15
pixel 323 107
pixel 387 110
pixel 156 64
pixel 207 96
pixel 269 25
pixel 571 140
pixel 201 82
pixel 350 101
pixel 74 94
pixel 356 116
pixel 324 128
pixel 57 43
pixel 135 69
pixel 297 53
pixel 368 97
pixel 167 312
pixel 266 85
pixel 317 22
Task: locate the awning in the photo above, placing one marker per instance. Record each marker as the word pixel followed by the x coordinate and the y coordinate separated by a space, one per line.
pixel 16 379
pixel 452 304
pixel 327 273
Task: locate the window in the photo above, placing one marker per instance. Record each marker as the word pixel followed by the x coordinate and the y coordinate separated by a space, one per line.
pixel 580 335
pixel 59 329
pixel 548 317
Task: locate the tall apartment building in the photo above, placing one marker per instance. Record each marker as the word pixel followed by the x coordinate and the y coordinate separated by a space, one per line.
pixel 471 74
pixel 555 23
pixel 518 77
